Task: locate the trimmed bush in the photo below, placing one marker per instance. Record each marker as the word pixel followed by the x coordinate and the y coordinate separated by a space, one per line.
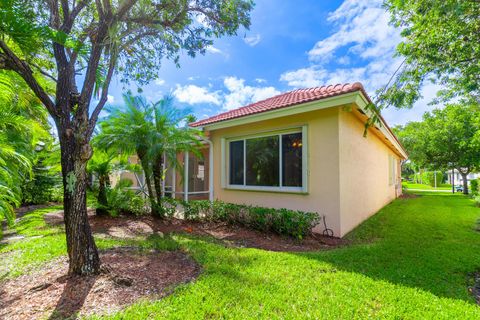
pixel 287 222
pixel 474 187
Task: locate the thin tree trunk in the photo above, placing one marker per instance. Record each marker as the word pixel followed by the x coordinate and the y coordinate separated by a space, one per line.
pixel 157 179
pixel 102 195
pixel 465 182
pixel 148 182
pixel 82 251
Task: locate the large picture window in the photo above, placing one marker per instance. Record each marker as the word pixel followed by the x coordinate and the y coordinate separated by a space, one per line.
pixel 270 162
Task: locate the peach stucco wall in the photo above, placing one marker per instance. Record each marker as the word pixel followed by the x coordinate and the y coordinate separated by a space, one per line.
pixel 323 166
pixel 364 172
pixel 348 174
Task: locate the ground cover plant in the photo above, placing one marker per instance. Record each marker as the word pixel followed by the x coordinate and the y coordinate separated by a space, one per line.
pixel 411 260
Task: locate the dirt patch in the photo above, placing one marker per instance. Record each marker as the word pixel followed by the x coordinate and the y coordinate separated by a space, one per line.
pixel 127 276
pixel 131 227
pixel 407 195
pixel 474 285
pixel 24 209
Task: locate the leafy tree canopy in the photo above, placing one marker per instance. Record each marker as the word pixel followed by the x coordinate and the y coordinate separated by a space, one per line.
pixel 446 138
pixel 441 44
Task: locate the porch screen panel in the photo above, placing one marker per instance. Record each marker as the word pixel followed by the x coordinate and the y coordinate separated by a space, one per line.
pixel 236 162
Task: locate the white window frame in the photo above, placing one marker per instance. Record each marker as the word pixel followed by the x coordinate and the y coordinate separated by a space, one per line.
pixel 225 146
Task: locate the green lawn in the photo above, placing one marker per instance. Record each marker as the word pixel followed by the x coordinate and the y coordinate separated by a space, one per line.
pixel 419 186
pixel 409 261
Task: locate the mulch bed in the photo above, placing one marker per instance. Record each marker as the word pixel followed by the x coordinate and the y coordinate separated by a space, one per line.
pixel 131 227
pixel 406 195
pixel 127 276
pixel 474 285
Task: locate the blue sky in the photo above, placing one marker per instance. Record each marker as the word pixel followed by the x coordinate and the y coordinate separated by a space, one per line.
pixel 290 44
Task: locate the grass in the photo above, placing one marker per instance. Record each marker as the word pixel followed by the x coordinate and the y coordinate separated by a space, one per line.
pixel 411 260
pixel 443 186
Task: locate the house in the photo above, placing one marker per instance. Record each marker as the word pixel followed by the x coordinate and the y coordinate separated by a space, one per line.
pixel 303 150
pixel 458 179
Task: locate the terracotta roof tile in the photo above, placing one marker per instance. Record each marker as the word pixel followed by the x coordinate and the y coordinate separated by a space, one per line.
pixel 284 100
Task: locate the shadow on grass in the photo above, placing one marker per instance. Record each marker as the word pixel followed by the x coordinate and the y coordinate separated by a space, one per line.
pixel 427 242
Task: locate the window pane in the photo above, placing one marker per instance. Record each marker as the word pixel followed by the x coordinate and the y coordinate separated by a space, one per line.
pixel 262 161
pixel 236 162
pixel 292 160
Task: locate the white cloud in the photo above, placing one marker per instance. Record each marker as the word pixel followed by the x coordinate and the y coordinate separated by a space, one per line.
pixel 159 82
pixel 193 94
pixel 235 94
pixel 110 99
pixel 241 94
pixel 364 32
pixel 363 27
pixel 260 80
pixel 360 49
pixel 305 77
pixel 252 41
pixel 214 50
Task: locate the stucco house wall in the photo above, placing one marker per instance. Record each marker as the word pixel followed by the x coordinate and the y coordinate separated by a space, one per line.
pixel 323 166
pixel 364 172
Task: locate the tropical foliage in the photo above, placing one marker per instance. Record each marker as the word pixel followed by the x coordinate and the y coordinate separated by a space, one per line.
pixel 447 138
pixel 60 39
pixel 155 133
pixel 441 44
pixel 23 127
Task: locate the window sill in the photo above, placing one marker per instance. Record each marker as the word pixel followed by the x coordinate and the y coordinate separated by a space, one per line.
pixel 295 190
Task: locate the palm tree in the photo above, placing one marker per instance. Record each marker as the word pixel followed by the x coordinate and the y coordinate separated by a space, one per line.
pixel 172 135
pixel 153 132
pixel 128 131
pixel 102 164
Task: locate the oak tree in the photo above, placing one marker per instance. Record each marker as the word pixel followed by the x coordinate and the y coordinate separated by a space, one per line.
pixel 79 45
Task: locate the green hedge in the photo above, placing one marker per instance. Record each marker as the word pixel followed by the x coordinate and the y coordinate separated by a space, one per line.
pixel 428 178
pixel 292 223
pixel 474 185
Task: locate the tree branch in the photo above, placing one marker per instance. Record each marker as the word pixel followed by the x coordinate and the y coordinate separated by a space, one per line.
pixel 124 8
pixel 103 98
pixel 23 69
pixel 46 74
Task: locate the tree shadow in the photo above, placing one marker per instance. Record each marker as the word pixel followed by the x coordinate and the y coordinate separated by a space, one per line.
pixel 73 296
pixel 433 248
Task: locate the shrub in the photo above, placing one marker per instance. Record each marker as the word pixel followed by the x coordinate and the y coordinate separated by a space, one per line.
pixel 474 187
pixel 292 223
pixel 477 201
pixel 169 207
pixel 196 210
pixel 428 178
pixel 122 200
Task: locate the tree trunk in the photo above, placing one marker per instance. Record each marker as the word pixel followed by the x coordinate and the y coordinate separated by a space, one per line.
pixel 102 195
pixel 148 182
pixel 157 179
pixel 465 182
pixel 82 251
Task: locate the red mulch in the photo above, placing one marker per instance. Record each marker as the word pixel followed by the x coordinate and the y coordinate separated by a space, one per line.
pixel 131 227
pixel 128 276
